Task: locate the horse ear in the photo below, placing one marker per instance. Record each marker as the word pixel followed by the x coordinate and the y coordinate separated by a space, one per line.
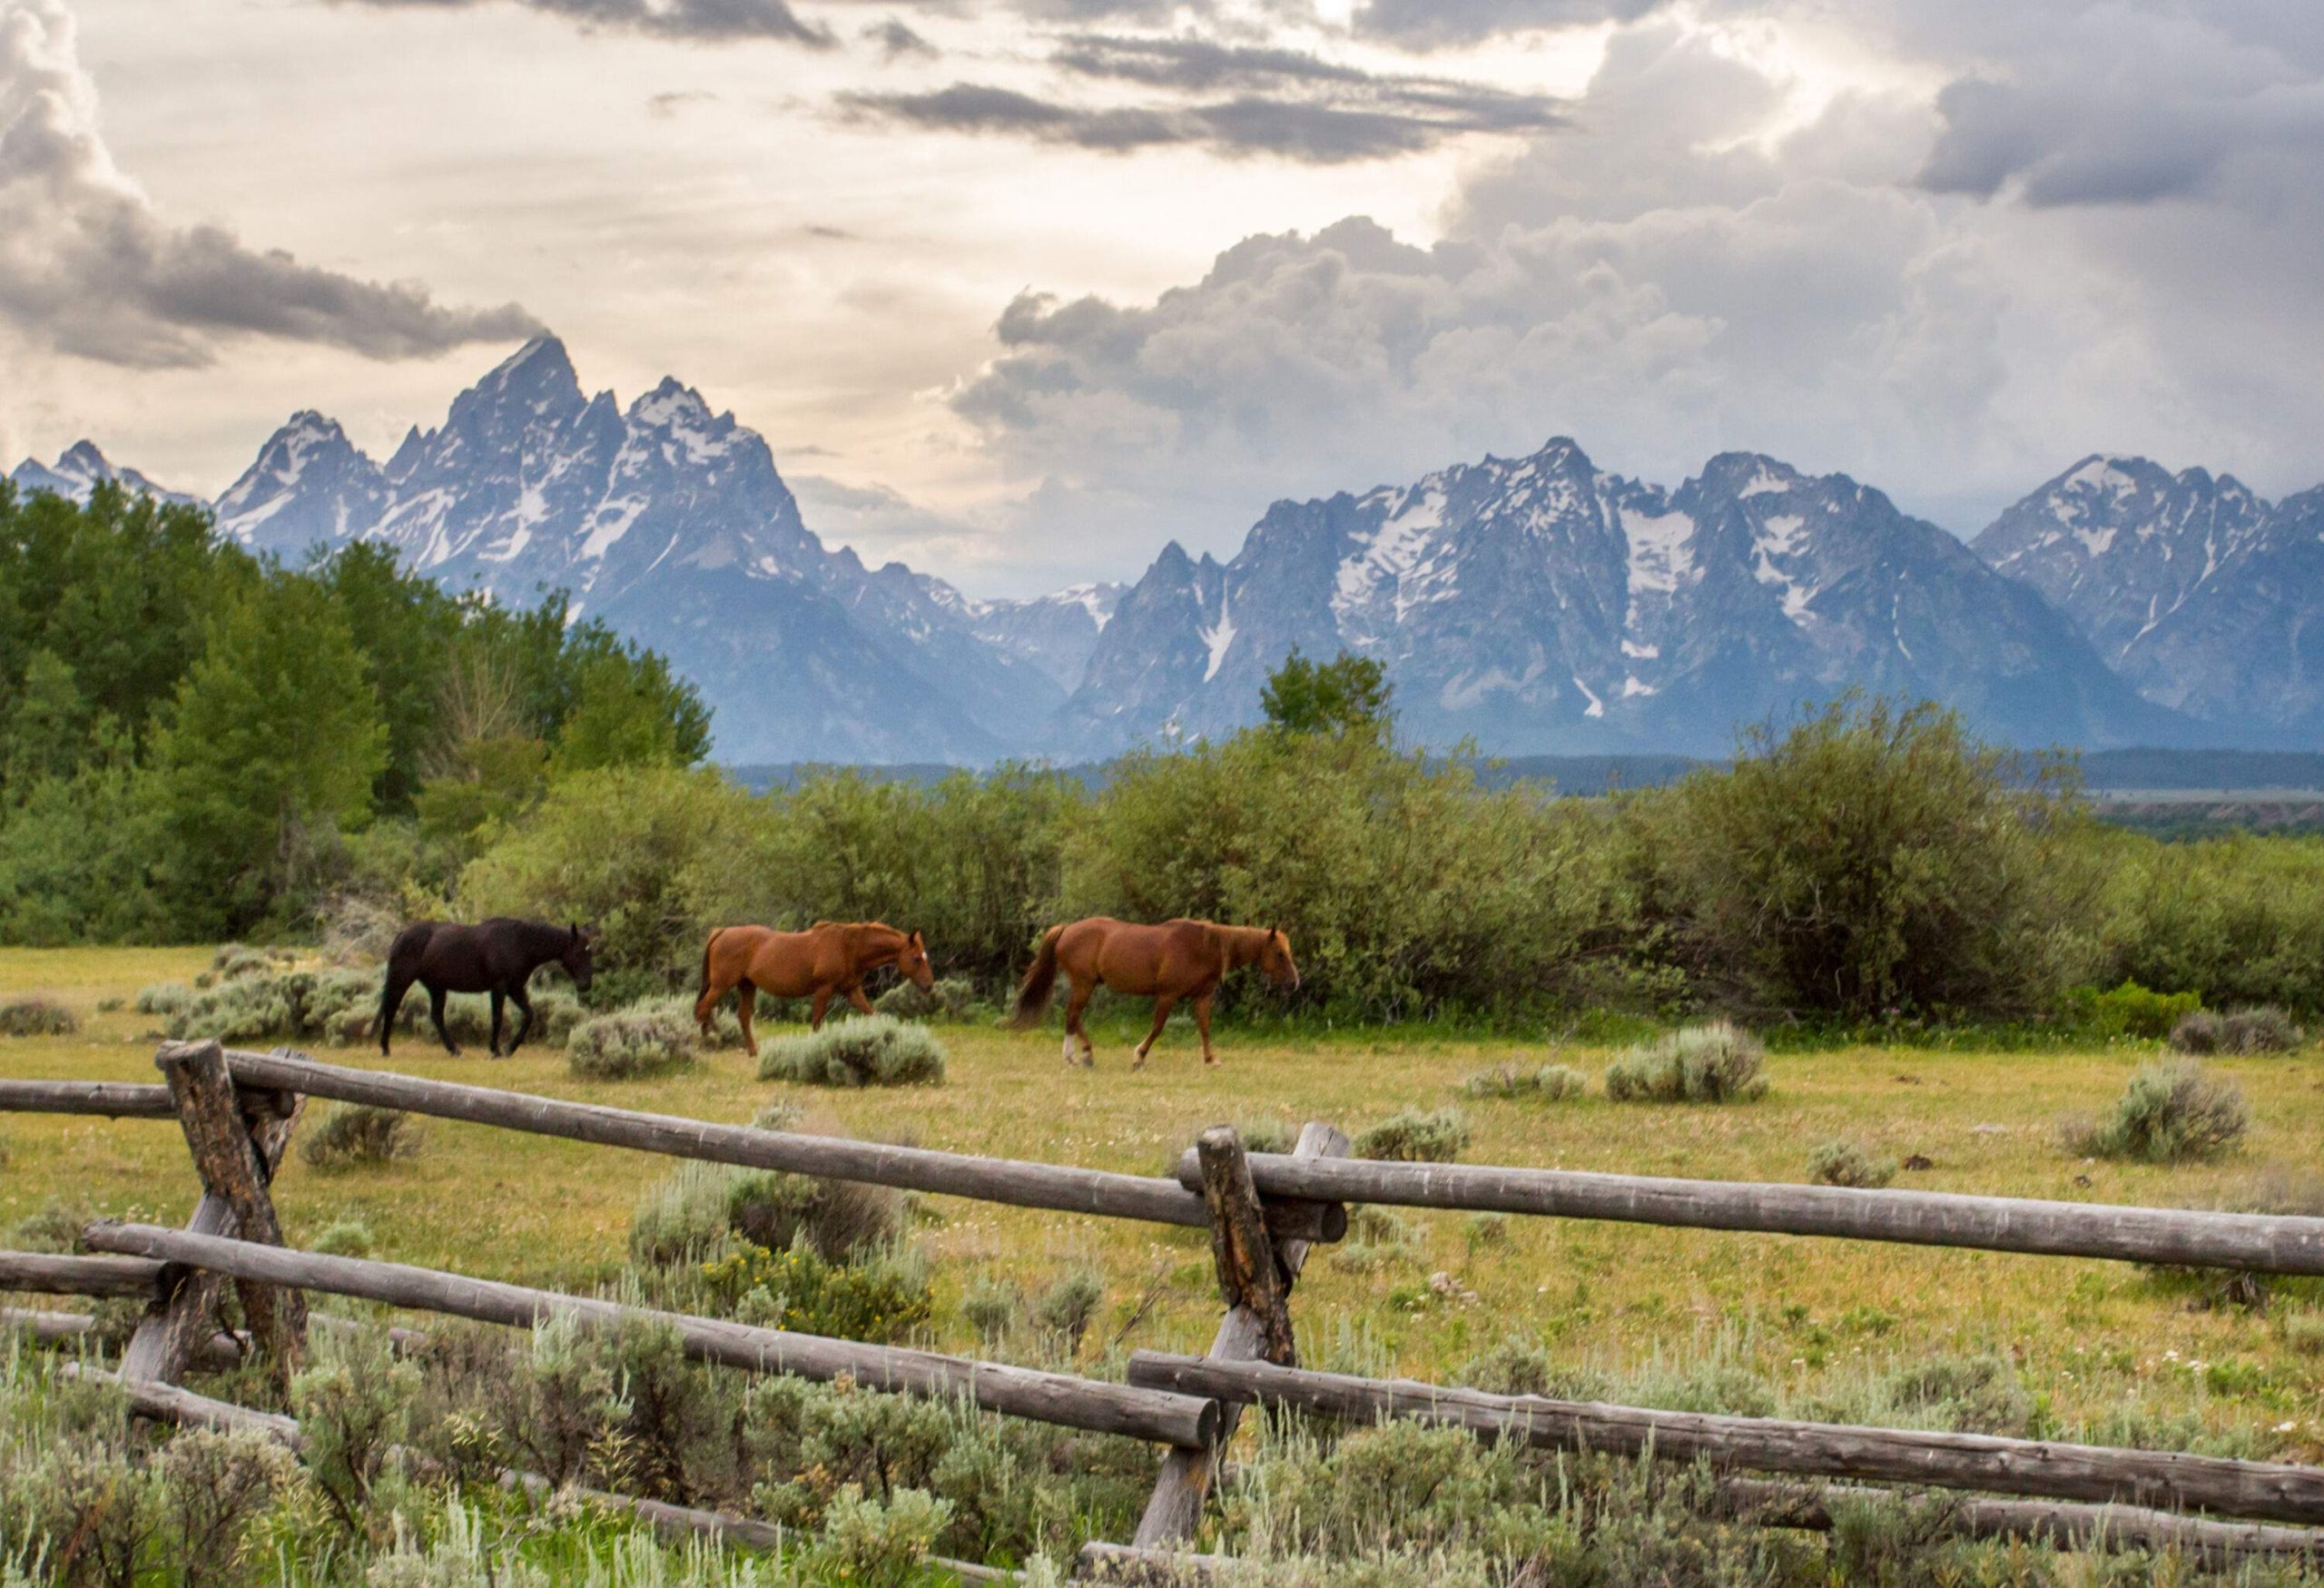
pixel 916 940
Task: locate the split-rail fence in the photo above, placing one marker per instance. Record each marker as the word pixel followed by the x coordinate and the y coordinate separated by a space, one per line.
pixel 1264 1211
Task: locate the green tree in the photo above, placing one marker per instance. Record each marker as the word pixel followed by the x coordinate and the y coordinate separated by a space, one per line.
pixel 1345 697
pixel 625 713
pixel 405 625
pixel 1873 858
pixel 272 745
pixel 44 729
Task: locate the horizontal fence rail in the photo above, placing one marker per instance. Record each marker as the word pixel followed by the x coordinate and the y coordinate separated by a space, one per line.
pixel 56 1276
pixel 2264 1243
pixel 1158 1415
pixel 911 1168
pixel 2267 1490
pixel 111 1099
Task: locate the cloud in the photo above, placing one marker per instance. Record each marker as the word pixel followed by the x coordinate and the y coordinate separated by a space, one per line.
pixel 1710 256
pixel 703 20
pixel 2131 108
pixel 1427 25
pixel 89 268
pixel 1281 102
pixel 897 40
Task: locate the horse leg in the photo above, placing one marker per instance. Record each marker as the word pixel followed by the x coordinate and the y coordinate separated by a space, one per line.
pixel 436 1013
pixel 855 996
pixel 712 989
pixel 1162 1005
pixel 499 999
pixel 816 1015
pixel 1202 1024
pixel 1074 1005
pixel 745 1005
pixel 523 1002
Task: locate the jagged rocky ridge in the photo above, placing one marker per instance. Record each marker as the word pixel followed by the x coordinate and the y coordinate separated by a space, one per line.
pixel 1532 605
pixel 1538 604
pixel 2207 599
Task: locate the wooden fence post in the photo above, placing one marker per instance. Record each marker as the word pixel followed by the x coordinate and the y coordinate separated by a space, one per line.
pixel 236 1159
pixel 1175 1511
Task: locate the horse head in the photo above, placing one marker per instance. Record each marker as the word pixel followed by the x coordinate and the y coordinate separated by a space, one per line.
pixel 1275 960
pixel 580 944
pixel 912 962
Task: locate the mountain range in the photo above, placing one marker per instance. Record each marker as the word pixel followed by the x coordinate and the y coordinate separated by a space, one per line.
pixel 1531 605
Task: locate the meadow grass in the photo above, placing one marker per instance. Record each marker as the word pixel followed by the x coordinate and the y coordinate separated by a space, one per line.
pixel 1816 1318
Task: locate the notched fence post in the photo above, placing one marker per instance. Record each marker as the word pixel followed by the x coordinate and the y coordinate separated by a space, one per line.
pixel 237 1139
pixel 1253 1268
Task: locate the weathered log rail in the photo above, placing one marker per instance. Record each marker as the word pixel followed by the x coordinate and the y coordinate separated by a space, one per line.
pixel 2265 1491
pixel 2263 1243
pixel 1157 1415
pixel 111 1099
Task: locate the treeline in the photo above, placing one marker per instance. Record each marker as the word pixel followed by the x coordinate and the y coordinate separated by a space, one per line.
pixel 195 743
pixel 1870 866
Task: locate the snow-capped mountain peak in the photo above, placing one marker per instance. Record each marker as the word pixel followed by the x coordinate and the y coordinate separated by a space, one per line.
pixel 79 469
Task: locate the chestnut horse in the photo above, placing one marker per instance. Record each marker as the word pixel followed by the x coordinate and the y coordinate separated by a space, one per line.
pixel 829 957
pixel 1177 959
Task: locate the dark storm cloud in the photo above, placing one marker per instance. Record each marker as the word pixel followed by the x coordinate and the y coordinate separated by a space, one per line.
pixel 705 20
pixel 90 268
pixel 1236 101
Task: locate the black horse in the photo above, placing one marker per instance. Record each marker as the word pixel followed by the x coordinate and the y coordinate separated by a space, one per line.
pixel 497 956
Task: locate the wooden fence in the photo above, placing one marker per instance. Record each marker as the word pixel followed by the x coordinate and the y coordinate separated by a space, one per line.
pixel 238 1111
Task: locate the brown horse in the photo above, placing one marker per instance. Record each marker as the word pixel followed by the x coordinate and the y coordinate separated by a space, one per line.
pixel 1177 959
pixel 830 957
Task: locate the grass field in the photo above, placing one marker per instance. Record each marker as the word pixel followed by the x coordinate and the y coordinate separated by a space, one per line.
pixel 1817 1319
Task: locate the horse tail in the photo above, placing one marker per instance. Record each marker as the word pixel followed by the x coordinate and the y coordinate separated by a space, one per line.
pixel 1033 997
pixel 408 944
pixel 708 943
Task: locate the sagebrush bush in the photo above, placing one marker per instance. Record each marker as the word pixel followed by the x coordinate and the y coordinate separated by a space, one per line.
pixel 870 1051
pixel 1842 1162
pixel 689 1215
pixel 953 998
pixel 2263 1029
pixel 344 1237
pixel 882 1297
pixel 1064 1310
pixel 877 1544
pixel 2170 1112
pixel 1546 1083
pixel 644 1039
pixel 358 930
pixel 1414 1136
pixel 358 1135
pixel 1713 1063
pixel 1266 1135
pixel 37 1016
pixel 165 998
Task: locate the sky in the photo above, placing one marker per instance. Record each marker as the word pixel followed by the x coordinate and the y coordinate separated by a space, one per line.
pixel 1019 292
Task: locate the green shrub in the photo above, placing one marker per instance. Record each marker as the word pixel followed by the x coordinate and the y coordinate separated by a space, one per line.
pixel 2130 1011
pixel 358 1135
pixel 2236 920
pixel 2304 1333
pixel 1064 1310
pixel 690 1215
pixel 953 998
pixel 344 1237
pixel 874 1545
pixel 165 998
pixel 1266 1135
pixel 883 1299
pixel 1969 1395
pixel 1377 1239
pixel 1548 1083
pixel 37 1017
pixel 779 1115
pixel 1841 1162
pixel 2264 1029
pixel 1873 858
pixel 2170 1112
pixel 992 1306
pixel 1415 1137
pixel 1713 1063
pixel 1406 888
pixel 871 1050
pixel 644 1039
pixel 233 959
